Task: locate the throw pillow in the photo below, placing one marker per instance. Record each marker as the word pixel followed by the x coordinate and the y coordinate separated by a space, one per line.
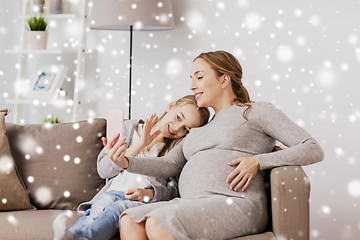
pixel 13 195
pixel 58 162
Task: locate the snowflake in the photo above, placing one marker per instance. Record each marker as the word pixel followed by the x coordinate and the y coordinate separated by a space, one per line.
pixel 326 210
pixel 173 67
pixel 11 219
pixel 77 160
pixel 79 139
pixel 6 164
pixel 66 158
pixel 285 53
pixel 146 199
pixel 43 195
pixel 30 179
pixel 253 21
pixel 353 188
pixel 67 194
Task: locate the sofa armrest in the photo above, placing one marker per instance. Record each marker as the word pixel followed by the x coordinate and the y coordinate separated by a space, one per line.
pixel 290 193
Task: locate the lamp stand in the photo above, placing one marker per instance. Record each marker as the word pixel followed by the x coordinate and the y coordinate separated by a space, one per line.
pixel 131 32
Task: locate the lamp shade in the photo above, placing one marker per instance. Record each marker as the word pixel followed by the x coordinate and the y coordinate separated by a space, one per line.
pixel 121 14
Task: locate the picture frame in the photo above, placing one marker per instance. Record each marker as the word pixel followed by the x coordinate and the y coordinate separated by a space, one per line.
pixel 46 80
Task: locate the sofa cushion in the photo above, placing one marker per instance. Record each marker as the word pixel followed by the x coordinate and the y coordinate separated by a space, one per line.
pixel 13 195
pixel 58 162
pixel 29 225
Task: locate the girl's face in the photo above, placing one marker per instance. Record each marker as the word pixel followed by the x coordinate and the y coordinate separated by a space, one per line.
pixel 178 121
pixel 205 85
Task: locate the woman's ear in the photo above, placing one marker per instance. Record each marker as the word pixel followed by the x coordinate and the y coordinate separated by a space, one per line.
pixel 171 106
pixel 225 81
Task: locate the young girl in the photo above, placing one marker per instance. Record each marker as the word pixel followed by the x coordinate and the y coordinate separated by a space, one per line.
pixel 221 184
pixel 125 190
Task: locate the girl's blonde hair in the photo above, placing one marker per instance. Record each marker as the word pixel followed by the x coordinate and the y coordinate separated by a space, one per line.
pixel 188 99
pixel 224 63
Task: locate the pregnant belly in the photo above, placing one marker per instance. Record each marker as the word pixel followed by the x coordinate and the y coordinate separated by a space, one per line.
pixel 205 173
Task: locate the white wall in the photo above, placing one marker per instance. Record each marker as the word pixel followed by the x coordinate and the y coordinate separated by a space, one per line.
pixel 304 56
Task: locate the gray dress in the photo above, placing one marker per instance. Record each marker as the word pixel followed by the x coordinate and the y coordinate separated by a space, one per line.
pixel 208 209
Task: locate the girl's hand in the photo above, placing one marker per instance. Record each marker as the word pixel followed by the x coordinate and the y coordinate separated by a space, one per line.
pixel 115 149
pixel 139 194
pixel 242 175
pixel 146 136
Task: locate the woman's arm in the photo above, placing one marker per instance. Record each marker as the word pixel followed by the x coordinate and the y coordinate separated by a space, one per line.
pixel 164 167
pixel 167 166
pixel 302 148
pixel 106 168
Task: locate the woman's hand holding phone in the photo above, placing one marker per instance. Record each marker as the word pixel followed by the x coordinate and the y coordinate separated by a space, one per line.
pixel 116 148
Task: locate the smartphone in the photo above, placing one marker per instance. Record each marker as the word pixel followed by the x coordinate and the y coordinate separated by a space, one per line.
pixel 114 123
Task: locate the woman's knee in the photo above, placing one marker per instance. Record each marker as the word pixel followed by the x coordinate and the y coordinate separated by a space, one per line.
pixel 154 230
pixel 126 222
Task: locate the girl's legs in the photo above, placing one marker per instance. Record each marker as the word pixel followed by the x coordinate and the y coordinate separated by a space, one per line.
pixel 60 225
pixel 107 224
pixel 95 211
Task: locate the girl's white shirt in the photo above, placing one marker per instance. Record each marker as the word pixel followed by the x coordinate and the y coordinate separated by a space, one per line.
pixel 126 180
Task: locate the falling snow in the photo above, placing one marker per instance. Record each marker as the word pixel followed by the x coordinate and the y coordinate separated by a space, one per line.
pixel 253 21
pixel 303 56
pixel 6 164
pixel 11 219
pixel 43 195
pixel 353 188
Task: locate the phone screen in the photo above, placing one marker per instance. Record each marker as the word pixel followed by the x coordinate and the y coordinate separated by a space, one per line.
pixel 114 123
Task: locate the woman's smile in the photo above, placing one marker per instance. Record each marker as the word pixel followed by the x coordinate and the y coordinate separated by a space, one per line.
pixel 198 95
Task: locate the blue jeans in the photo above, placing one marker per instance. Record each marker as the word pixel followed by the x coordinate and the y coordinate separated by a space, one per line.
pixel 101 221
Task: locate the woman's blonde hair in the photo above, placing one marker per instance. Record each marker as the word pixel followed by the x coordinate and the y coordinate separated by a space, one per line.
pixel 188 99
pixel 224 63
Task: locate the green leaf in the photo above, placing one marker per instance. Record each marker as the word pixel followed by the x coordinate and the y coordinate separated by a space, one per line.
pixel 36 23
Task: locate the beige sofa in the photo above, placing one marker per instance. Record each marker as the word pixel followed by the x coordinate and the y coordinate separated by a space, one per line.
pixel 57 166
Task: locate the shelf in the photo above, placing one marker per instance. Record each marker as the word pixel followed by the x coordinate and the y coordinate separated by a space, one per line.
pixel 41 51
pixel 56 16
pixel 74 17
pixel 42 102
pixel 62 15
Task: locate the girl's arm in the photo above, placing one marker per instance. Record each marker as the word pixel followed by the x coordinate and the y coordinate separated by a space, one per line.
pixel 166 192
pixel 302 148
pixel 155 192
pixel 106 168
pixel 146 137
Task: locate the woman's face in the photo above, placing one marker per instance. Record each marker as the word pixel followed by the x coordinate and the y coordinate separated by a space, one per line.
pixel 205 84
pixel 178 121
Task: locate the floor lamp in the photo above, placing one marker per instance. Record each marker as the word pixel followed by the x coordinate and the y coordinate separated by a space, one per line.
pixel 131 15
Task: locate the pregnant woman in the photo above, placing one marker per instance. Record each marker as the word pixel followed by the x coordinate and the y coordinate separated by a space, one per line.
pixel 221 185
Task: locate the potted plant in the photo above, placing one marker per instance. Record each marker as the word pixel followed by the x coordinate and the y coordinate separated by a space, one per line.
pixel 51 120
pixel 36 35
